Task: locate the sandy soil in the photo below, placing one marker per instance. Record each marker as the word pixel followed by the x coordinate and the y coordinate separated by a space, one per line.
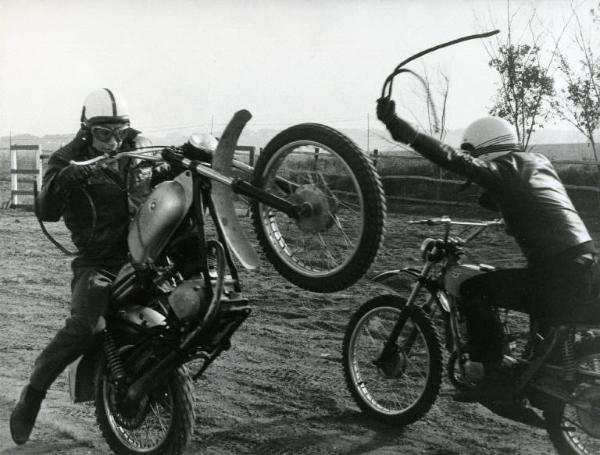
pixel 280 389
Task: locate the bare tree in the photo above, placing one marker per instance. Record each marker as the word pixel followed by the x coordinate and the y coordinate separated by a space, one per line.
pixel 526 84
pixel 433 91
pixel 579 101
pixel 436 108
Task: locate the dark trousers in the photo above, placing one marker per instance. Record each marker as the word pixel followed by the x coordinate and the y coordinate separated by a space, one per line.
pixel 90 291
pixel 548 293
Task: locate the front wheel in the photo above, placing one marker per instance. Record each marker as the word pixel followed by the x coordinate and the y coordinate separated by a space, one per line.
pixel 333 243
pixel 161 423
pixel 398 386
pixel 573 430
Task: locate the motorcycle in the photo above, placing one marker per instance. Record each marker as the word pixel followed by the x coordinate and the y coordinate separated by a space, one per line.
pixel 393 356
pixel 318 210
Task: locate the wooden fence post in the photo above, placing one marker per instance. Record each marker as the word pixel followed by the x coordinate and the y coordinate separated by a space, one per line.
pixel 15 191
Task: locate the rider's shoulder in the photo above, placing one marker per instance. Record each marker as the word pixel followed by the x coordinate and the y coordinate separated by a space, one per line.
pixel 71 150
pixel 142 140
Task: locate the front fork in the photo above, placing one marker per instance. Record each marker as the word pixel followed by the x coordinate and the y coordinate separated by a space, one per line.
pixel 390 349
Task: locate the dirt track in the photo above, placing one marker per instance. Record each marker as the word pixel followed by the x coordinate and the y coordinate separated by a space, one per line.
pixel 279 389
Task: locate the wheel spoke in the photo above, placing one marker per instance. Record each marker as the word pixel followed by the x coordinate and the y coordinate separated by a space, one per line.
pixel 327 251
pixel 354 208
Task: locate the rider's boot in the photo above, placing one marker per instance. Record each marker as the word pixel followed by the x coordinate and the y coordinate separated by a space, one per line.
pixel 24 414
pixel 497 385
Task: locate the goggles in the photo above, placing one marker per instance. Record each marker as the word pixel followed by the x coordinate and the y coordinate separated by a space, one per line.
pixel 104 134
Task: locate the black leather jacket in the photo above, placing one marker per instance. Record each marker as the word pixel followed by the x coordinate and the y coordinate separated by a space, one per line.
pixel 528 193
pixel 97 214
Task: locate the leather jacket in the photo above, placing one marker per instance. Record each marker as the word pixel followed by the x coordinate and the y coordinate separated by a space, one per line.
pixel 527 191
pixel 97 213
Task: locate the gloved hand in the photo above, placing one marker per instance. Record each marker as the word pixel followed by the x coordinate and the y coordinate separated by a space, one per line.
pixel 196 153
pixel 161 173
pixel 386 109
pixel 73 175
pixel 401 130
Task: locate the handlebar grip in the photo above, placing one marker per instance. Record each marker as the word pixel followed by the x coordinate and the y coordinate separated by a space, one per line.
pixel 169 154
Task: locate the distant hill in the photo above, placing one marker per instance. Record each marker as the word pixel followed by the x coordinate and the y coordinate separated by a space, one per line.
pixel 374 139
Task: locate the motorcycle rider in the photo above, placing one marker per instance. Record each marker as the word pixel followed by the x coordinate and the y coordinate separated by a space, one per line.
pixel 96 203
pixel 562 273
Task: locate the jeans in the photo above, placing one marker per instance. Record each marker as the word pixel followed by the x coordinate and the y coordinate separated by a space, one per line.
pixel 547 293
pixel 90 292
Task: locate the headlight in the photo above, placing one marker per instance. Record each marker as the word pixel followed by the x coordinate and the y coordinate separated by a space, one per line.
pixel 426 247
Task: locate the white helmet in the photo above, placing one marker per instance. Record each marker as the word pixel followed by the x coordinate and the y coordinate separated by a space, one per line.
pixel 104 106
pixel 490 136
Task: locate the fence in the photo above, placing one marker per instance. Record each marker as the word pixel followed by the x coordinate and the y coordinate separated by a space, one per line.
pixel 25 171
pixel 415 179
pixel 412 179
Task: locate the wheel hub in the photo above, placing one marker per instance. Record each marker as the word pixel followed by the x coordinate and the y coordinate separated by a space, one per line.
pixel 320 208
pixel 392 365
pixel 129 415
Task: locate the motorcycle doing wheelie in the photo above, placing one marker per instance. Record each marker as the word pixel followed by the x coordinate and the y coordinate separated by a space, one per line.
pixel 317 208
pixel 392 352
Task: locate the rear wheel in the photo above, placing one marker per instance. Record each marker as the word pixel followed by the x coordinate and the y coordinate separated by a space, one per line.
pixel 332 244
pixel 572 430
pixel 398 386
pixel 160 423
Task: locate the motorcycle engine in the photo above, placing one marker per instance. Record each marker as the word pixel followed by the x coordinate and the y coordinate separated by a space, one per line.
pixel 190 300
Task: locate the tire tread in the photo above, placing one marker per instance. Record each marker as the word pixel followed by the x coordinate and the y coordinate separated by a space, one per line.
pixel 372 192
pixel 432 387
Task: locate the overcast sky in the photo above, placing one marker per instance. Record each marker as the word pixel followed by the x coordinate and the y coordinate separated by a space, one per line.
pixel 181 62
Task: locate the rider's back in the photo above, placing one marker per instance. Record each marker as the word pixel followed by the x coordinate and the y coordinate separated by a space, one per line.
pixel 537 209
pixel 527 190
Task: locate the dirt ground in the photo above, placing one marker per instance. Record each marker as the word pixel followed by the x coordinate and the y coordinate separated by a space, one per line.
pixel 279 390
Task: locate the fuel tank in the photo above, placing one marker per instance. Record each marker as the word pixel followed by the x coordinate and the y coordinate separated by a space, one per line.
pixel 456 275
pixel 158 218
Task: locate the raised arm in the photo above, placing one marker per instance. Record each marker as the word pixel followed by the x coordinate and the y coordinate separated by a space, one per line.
pixel 484 173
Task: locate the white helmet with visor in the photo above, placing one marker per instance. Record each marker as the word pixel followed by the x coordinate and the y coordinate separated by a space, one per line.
pixel 104 106
pixel 106 116
pixel 490 137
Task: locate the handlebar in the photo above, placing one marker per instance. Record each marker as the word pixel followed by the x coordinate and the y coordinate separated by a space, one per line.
pixel 129 154
pixel 448 223
pixel 444 220
pixel 240 165
pixel 170 155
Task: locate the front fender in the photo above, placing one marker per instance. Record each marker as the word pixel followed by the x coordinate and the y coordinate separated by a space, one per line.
pixel 402 282
pixel 399 280
pixel 223 197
